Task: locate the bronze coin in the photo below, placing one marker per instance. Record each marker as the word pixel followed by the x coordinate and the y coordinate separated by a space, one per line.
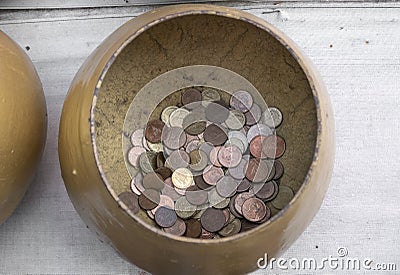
pixel 200 183
pixel 226 186
pixel 239 171
pixel 253 115
pixel 153 131
pixel 212 174
pixel 177 159
pixel 169 190
pixel 240 199
pixel 216 112
pixel 229 156
pixel 246 225
pixel 193 228
pixel 130 200
pixel 196 196
pixel 266 191
pixel 164 172
pixel 215 135
pixel 266 217
pixel 244 185
pixel 165 217
pixel 279 169
pixel 256 149
pixel 178 229
pixel 259 170
pixel 149 199
pixel 273 146
pixel 205 235
pixel 191 95
pixel 214 156
pixel 212 219
pixel 232 208
pixel 241 100
pixel 153 180
pixel 254 209
pixel 173 137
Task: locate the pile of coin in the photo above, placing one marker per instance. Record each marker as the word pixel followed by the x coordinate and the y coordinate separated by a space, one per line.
pixel 208 167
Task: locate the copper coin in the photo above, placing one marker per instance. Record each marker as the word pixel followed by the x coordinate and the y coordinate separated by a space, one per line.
pixel 266 191
pixel 169 190
pixel 240 199
pixel 254 209
pixel 196 196
pixel 214 156
pixel 205 235
pixel 212 220
pixel 274 146
pixel 193 228
pixel 177 159
pixel 153 181
pixel 200 183
pixel 215 135
pixel 134 154
pixel 226 186
pixel 191 95
pixel 216 112
pixel 244 185
pixel 239 171
pixel 232 208
pixel 266 217
pixel 165 217
pixel 130 200
pixel 253 115
pixel 241 100
pixel 154 129
pixel 229 156
pixel 212 174
pixel 149 199
pixel 279 169
pixel 178 229
pixel 256 147
pixel 173 137
pixel 258 170
pixel 258 130
pixel 164 172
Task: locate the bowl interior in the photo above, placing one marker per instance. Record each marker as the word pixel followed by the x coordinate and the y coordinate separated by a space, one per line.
pixel 205 39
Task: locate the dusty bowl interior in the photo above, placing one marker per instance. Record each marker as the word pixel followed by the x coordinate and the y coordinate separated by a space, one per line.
pixel 228 43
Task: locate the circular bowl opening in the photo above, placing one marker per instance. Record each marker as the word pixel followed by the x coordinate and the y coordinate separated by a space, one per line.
pixel 204 38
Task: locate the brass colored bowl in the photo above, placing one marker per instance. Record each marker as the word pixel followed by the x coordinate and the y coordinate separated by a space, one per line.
pixel 23 124
pixel 156 42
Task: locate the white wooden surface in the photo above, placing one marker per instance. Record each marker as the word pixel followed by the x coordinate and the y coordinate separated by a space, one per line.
pixel 356 47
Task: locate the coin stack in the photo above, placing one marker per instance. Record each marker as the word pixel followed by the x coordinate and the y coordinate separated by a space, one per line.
pixel 208 168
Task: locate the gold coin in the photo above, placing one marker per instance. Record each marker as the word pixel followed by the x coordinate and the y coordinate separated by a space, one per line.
pixel 182 178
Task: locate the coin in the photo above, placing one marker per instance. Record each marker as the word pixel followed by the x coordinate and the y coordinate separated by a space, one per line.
pixel 258 130
pixel 165 217
pixel 284 196
pixel 134 154
pixel 212 174
pixel 240 199
pixel 184 209
pixel 254 209
pixel 194 123
pixel 256 147
pixel 196 196
pixel 236 142
pixel 165 114
pixel 205 235
pixel 149 199
pixel 137 137
pixel 239 171
pixel 206 147
pixel 134 188
pixel 193 228
pixel 155 147
pixel 253 115
pixel 226 186
pixel 160 159
pixel 273 146
pixel 215 135
pixel 178 229
pixel 279 170
pixel 229 156
pixel 191 95
pixel 164 172
pixel 173 137
pixel 266 190
pixel 222 204
pixel 214 156
pixel 210 95
pixel 153 180
pixel 130 200
pixel 193 145
pixel 216 112
pixel 259 170
pixel 231 228
pixel 272 117
pixel 214 198
pixel 239 135
pixel 182 178
pixel 165 201
pixel 147 162
pixel 236 120
pixel 244 185
pixel 212 220
pixel 241 100
pixel 176 118
pixel 266 217
pixel 200 183
pixel 177 159
pixel 246 225
pixel 138 181
pixel 154 130
pixel 198 160
pixel 169 190
pixel 150 214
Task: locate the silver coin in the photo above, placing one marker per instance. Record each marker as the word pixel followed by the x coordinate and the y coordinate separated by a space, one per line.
pixel 134 154
pixel 239 135
pixel 253 115
pixel 239 172
pixel 166 114
pixel 193 145
pixel 272 117
pixel 184 209
pixel 177 159
pixel 235 120
pixel 176 118
pixel 210 95
pixel 241 100
pixel 236 142
pixel 155 147
pixel 137 137
pixel 259 130
pixel 138 182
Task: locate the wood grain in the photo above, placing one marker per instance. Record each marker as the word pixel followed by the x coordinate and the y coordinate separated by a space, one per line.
pixel 354 45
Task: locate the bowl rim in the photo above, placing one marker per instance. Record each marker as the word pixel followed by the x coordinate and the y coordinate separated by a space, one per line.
pixel 232 13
